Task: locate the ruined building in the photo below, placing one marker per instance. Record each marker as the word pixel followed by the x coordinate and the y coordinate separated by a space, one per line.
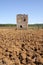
pixel 22 21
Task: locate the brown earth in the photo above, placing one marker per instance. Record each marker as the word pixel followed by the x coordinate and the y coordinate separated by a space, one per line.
pixel 21 47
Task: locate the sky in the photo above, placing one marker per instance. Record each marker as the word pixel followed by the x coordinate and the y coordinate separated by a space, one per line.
pixel 10 8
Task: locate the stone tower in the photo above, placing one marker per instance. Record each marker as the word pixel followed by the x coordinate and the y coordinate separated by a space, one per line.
pixel 22 21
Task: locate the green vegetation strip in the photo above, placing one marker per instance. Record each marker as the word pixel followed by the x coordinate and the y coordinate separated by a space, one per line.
pixel 29 25
pixel 4 25
pixel 36 25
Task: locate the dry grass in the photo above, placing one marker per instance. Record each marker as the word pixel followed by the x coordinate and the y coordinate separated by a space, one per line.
pixel 21 47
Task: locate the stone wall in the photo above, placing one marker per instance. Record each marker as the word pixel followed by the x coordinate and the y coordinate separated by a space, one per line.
pixel 22 21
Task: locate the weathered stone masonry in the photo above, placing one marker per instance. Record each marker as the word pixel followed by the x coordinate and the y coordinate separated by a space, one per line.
pixel 22 21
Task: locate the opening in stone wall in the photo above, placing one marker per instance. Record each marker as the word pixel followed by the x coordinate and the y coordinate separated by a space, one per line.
pixel 20 26
pixel 24 20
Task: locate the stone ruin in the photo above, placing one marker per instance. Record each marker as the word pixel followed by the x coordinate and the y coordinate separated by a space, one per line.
pixel 22 21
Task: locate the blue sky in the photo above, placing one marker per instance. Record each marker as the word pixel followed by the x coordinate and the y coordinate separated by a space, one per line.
pixel 10 8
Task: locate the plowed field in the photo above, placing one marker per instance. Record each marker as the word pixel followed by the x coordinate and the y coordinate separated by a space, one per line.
pixel 21 47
